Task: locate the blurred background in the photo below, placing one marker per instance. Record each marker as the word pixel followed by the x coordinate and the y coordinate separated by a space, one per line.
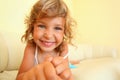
pixel 98 21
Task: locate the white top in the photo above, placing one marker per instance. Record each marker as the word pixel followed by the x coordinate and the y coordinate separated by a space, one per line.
pixel 36 55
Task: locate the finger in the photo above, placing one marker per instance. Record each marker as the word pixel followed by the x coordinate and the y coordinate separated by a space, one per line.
pixel 49 71
pixel 29 75
pixel 66 74
pixel 57 60
pixel 40 72
pixel 61 67
pixel 71 78
pixel 58 78
pixel 48 58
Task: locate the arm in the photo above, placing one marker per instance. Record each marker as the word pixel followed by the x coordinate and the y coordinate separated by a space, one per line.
pixel 27 62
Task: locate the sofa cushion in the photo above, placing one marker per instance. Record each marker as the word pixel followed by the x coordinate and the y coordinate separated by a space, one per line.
pixel 15 49
pixel 8 75
pixel 3 53
pixel 98 69
pixel 85 51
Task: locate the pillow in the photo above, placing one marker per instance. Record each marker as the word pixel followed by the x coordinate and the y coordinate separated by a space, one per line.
pixel 15 49
pixel 84 51
pixel 3 54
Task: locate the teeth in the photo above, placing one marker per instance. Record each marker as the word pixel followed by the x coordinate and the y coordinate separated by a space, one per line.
pixel 47 43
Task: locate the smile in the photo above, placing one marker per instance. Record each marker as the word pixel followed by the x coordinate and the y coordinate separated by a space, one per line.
pixel 47 43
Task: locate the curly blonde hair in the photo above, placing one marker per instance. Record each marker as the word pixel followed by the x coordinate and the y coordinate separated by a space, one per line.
pixel 48 8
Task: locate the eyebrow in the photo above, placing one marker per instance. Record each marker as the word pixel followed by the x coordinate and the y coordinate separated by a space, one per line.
pixel 38 21
pixel 59 24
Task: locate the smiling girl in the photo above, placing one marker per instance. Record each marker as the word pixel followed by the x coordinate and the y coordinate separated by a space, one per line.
pixel 47 35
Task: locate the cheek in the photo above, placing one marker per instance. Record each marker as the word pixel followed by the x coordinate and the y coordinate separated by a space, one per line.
pixel 36 35
pixel 60 37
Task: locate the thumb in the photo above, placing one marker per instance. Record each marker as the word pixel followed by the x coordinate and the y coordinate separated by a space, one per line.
pixel 50 72
pixel 48 58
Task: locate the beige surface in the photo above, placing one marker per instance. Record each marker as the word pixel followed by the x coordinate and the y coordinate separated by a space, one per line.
pixel 8 75
pixel 98 69
pixel 3 54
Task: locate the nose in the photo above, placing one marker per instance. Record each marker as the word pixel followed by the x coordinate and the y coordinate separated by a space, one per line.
pixel 48 33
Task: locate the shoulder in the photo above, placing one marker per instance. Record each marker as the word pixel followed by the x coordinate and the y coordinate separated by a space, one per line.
pixel 30 48
pixel 29 52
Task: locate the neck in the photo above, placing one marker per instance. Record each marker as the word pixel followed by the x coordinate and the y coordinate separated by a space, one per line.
pixel 51 53
pixel 42 55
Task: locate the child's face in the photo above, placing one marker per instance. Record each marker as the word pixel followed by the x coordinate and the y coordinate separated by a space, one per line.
pixel 48 33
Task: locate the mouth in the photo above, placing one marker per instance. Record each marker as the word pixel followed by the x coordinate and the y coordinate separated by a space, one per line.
pixel 47 43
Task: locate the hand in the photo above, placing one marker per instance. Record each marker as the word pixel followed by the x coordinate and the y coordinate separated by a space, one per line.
pixel 65 49
pixel 53 69
pixel 62 68
pixel 62 65
pixel 43 71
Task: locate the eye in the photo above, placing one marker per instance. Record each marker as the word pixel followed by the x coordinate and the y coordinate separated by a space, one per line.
pixel 41 26
pixel 58 28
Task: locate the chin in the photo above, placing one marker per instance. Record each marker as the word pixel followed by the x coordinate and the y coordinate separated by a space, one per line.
pixel 47 49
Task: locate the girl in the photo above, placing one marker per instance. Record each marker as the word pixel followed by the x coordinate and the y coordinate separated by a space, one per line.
pixel 48 32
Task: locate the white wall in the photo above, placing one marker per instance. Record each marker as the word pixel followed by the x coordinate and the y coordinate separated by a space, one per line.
pixel 12 14
pixel 98 22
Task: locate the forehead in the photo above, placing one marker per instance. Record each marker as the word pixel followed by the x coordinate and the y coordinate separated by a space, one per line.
pixel 57 20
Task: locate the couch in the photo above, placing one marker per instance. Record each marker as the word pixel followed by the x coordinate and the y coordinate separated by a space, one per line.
pixel 96 62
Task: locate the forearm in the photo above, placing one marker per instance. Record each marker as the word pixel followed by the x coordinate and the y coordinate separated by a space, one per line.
pixel 20 76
